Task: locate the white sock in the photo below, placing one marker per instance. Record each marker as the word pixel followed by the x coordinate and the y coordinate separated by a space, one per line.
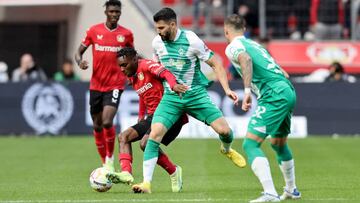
pixel 288 170
pixel 111 159
pixel 261 168
pixel 226 146
pixel 148 167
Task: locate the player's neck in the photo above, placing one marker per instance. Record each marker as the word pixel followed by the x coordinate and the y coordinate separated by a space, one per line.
pixel 111 26
pixel 235 35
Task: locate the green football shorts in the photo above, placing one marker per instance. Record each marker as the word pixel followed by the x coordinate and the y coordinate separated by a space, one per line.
pixel 195 103
pixel 273 113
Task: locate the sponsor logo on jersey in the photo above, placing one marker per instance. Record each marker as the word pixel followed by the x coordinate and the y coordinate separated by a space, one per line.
pixel 120 38
pixel 47 108
pixel 140 76
pixel 107 48
pixel 99 37
pixel 144 88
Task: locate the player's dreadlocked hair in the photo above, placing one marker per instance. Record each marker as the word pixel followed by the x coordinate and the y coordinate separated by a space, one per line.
pixel 112 3
pixel 165 14
pixel 127 51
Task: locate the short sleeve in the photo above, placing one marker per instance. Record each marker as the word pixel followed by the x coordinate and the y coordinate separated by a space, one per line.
pixel 87 41
pixel 199 47
pixel 130 40
pixel 154 47
pixel 233 50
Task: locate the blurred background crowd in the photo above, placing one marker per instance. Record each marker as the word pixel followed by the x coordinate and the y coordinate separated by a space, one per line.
pixel 38 38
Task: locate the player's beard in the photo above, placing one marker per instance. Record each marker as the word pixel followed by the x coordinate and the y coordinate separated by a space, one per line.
pixel 166 37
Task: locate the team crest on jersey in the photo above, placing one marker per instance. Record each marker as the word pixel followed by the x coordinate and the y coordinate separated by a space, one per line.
pixel 140 76
pixel 181 51
pixel 120 38
pixel 47 108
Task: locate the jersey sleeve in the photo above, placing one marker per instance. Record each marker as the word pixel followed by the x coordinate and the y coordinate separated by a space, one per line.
pixel 87 41
pixel 199 47
pixel 154 47
pixel 155 68
pixel 233 50
pixel 130 40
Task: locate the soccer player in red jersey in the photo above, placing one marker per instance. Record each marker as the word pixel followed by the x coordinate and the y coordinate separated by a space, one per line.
pixel 146 78
pixel 107 81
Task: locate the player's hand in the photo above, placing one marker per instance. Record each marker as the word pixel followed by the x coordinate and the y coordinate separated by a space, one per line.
pixel 180 89
pixel 233 96
pixel 84 64
pixel 246 103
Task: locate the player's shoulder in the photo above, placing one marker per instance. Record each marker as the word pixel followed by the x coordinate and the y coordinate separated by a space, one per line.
pixel 237 43
pixel 190 35
pixel 124 30
pixel 97 26
pixel 156 41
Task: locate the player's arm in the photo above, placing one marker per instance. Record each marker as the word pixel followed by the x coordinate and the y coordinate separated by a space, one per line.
pixel 245 62
pixel 83 64
pixel 161 72
pixel 222 77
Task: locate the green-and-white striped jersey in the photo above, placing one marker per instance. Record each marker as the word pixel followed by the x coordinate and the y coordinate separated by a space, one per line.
pixel 266 73
pixel 182 58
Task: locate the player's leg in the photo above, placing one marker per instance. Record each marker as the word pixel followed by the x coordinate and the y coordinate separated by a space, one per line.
pixel 96 115
pixel 132 134
pixel 226 136
pixel 175 171
pixel 287 167
pixel 203 109
pixel 262 122
pixel 166 114
pixel 280 146
pixel 260 166
pixel 163 160
pixel 110 103
pixel 151 154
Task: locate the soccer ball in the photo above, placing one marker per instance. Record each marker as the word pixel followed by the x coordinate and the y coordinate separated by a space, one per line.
pixel 98 180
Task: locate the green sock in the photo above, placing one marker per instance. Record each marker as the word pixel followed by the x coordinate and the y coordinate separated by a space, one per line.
pixel 283 152
pixel 151 150
pixel 252 149
pixel 227 140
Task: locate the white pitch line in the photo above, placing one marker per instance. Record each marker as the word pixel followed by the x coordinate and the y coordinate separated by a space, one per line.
pixel 157 200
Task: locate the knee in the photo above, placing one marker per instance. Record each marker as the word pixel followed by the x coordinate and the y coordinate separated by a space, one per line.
pixel 224 130
pixel 123 138
pixel 143 144
pixel 249 144
pixel 107 123
pixel 97 128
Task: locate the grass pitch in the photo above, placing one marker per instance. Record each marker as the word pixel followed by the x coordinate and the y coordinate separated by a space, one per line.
pixel 56 169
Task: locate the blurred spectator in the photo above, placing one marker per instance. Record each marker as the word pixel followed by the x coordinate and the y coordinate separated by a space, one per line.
pixel 28 70
pixel 337 74
pixel 327 18
pixel 251 18
pixel 67 72
pixel 4 77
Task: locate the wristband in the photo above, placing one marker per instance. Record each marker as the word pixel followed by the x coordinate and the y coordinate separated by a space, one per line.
pixel 247 90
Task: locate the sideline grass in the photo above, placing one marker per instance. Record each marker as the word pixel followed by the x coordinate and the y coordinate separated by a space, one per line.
pixel 56 169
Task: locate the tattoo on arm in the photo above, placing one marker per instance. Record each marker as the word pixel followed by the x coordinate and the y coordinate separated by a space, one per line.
pixel 246 68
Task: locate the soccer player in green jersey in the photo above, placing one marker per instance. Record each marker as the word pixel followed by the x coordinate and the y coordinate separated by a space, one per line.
pixel 276 100
pixel 181 51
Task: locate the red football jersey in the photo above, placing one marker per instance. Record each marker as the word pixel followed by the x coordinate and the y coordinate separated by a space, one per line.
pixel 147 84
pixel 105 44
